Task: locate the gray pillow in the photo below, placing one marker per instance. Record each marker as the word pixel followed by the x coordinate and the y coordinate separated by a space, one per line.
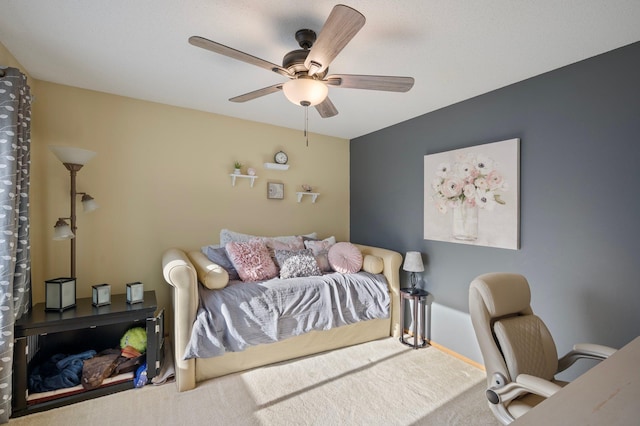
pixel 227 236
pixel 297 263
pixel 218 255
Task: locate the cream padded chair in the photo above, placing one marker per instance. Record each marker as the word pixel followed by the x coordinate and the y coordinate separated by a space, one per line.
pixel 519 354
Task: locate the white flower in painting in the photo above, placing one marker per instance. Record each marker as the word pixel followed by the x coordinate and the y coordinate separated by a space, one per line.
pixel 484 164
pixel 481 183
pixel 436 184
pixel 443 169
pixel 441 205
pixel 486 199
pixel 465 170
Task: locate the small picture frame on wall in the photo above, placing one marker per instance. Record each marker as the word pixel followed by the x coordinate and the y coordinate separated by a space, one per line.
pixel 275 191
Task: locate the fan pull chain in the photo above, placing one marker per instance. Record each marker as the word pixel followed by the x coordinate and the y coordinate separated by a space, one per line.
pixel 306 124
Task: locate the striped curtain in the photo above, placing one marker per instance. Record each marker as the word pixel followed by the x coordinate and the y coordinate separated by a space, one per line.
pixel 15 252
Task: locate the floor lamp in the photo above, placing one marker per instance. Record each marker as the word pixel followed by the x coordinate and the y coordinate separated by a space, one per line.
pixel 73 159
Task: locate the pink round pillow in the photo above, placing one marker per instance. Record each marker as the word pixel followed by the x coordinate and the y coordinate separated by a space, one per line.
pixel 345 258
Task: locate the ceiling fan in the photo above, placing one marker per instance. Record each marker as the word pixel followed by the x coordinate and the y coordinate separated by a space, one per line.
pixel 307 68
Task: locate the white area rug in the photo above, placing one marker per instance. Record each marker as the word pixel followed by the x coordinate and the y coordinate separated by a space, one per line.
pixel 375 383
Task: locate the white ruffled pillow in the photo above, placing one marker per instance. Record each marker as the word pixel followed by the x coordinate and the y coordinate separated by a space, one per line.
pixel 297 263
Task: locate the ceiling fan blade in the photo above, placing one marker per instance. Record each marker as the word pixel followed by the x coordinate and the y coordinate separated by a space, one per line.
pixel 257 93
pixel 371 82
pixel 326 108
pixel 341 26
pixel 236 54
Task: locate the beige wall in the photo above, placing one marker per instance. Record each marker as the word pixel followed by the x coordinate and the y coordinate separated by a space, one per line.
pixel 161 178
pixel 7 59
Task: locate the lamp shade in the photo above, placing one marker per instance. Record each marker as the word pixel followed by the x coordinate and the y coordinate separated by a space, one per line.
pixel 413 262
pixel 71 155
pixel 88 203
pixel 305 91
pixel 62 230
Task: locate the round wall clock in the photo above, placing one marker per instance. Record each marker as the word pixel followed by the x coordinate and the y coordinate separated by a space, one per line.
pixel 281 157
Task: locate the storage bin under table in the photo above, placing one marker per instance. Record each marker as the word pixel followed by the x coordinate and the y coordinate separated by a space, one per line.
pixel 41 334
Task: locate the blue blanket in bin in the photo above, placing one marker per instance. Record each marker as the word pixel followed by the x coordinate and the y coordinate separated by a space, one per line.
pixel 58 372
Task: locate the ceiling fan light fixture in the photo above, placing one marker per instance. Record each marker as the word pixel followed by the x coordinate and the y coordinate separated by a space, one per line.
pixel 305 91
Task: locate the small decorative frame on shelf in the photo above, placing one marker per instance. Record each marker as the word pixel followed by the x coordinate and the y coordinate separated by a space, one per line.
pixel 234 176
pixel 314 195
pixel 275 191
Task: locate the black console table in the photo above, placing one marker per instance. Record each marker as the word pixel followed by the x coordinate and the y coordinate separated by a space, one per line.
pixel 41 334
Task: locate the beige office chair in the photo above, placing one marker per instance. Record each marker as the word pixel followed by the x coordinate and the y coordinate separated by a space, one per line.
pixel 519 354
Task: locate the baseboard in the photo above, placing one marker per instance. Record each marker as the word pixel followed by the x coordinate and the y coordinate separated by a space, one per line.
pixel 450 352
pixel 457 355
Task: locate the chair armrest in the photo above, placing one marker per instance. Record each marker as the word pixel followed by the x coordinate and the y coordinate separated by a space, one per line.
pixel 523 384
pixel 538 385
pixel 584 350
pixel 592 349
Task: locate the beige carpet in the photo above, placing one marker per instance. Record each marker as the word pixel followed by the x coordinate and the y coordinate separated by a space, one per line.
pixel 375 383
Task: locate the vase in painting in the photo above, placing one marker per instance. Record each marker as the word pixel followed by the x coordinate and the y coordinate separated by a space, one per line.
pixel 465 222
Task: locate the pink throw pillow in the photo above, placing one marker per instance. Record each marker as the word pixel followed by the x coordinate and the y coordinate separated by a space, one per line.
pixel 345 258
pixel 252 261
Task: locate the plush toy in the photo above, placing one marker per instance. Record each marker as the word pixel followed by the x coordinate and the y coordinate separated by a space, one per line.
pixel 136 338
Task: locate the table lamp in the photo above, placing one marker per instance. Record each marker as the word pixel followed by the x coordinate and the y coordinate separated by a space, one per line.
pixel 413 263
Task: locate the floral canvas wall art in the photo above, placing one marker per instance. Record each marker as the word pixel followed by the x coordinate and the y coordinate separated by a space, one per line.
pixel 471 195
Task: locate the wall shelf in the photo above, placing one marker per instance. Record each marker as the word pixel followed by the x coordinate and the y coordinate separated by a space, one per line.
pixel 276 166
pixel 234 176
pixel 314 196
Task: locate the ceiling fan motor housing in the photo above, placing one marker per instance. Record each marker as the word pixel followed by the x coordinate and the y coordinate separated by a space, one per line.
pixel 294 60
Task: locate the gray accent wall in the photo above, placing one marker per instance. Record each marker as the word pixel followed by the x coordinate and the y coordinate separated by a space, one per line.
pixel 579 131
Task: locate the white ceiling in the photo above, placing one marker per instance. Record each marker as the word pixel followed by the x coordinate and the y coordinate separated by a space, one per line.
pixel 455 50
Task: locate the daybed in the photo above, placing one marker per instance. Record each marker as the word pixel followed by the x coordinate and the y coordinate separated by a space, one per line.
pixel 183 271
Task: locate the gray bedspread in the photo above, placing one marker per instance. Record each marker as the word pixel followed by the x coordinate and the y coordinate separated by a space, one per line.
pixel 247 314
